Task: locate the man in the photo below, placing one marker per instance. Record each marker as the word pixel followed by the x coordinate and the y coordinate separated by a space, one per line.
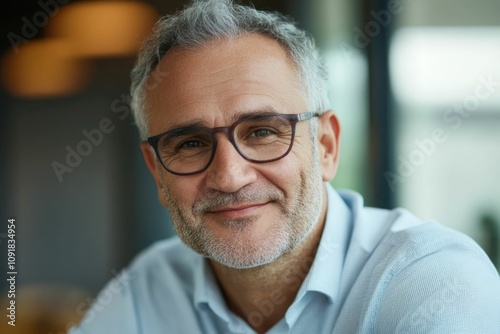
pixel 231 103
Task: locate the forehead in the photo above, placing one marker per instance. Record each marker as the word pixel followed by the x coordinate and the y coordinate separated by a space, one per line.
pixel 211 84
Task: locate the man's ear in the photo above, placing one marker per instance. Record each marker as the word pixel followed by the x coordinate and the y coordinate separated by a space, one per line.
pixel 329 144
pixel 150 159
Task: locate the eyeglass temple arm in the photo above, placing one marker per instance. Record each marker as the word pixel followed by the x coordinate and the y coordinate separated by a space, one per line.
pixel 307 115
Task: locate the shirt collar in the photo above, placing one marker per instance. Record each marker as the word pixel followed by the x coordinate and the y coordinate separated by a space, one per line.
pixel 207 296
pixel 326 270
pixel 201 279
pixel 206 288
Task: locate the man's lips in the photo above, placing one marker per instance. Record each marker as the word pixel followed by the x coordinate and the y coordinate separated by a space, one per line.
pixel 235 211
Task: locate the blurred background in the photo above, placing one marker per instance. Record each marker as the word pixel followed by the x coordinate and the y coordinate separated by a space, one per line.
pixel 416 85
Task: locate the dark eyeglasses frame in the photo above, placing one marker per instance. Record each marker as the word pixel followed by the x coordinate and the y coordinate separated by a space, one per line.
pixel 229 131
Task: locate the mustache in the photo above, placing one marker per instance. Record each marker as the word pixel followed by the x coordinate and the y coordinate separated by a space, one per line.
pixel 249 194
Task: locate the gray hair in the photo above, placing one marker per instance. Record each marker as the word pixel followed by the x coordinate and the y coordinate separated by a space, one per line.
pixel 207 20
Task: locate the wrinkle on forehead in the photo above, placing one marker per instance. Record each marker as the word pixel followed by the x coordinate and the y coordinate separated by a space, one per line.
pixel 224 73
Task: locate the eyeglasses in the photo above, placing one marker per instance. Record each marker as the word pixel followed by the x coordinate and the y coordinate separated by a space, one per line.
pixel 257 138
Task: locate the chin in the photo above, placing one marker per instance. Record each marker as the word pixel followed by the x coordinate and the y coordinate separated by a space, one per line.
pixel 241 253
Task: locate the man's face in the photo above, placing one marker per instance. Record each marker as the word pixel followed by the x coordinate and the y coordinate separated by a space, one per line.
pixel 239 213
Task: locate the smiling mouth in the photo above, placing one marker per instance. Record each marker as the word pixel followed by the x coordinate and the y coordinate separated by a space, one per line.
pixel 236 211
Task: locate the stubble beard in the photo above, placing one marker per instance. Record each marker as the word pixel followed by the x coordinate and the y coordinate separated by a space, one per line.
pixel 299 215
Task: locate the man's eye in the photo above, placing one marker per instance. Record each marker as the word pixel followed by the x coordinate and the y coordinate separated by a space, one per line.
pixel 261 133
pixel 191 144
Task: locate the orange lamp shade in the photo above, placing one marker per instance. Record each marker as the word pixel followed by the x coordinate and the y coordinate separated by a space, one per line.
pixel 44 68
pixel 104 28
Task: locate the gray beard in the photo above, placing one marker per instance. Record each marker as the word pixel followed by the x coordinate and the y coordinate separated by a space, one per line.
pixel 298 221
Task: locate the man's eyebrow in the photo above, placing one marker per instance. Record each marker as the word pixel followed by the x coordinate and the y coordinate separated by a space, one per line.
pixel 252 113
pixel 238 115
pixel 197 122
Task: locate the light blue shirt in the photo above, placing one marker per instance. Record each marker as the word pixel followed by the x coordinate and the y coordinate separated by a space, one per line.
pixel 375 271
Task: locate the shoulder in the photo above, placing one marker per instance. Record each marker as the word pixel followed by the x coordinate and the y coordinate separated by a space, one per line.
pixel 399 235
pixel 425 277
pixel 407 240
pixel 164 257
pixel 166 268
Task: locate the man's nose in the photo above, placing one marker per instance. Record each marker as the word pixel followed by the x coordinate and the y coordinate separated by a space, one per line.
pixel 229 171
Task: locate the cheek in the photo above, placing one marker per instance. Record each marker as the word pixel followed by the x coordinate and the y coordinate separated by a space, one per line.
pixel 182 190
pixel 285 174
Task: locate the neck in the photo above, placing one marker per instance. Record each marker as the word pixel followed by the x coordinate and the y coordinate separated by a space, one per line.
pixel 263 294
